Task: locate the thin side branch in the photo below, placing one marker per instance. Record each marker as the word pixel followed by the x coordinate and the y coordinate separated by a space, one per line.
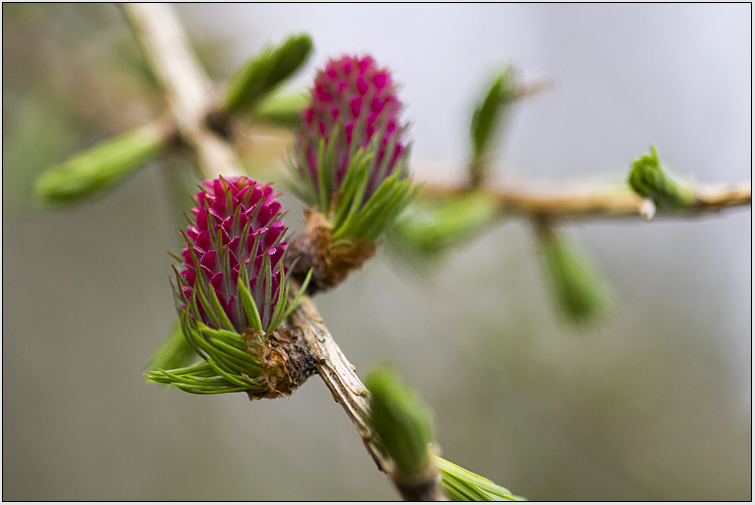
pixel 719 196
pixel 593 201
pixel 187 88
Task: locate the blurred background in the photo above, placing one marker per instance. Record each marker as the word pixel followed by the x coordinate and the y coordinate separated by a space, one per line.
pixel 650 403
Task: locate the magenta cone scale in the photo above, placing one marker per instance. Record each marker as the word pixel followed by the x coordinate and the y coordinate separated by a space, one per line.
pixel 350 165
pixel 353 104
pixel 236 224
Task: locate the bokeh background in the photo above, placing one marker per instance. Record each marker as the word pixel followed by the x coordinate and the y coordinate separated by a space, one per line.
pixel 651 403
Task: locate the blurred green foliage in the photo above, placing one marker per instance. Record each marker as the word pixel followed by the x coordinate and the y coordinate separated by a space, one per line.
pixel 401 421
pixel 38 133
pixel 265 72
pixel 282 109
pixel 488 119
pixel 579 289
pixel 53 102
pixel 649 180
pixel 462 485
pixel 428 230
pixel 91 173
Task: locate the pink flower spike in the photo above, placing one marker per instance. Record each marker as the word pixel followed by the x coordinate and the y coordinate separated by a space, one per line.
pixel 352 120
pixel 224 207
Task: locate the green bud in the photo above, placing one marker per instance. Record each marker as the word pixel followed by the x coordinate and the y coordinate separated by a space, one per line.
pixel 425 232
pixel 648 179
pixel 579 288
pixel 401 422
pixel 281 110
pixel 93 172
pixel 263 73
pixel 462 485
pixel 174 352
pixel 488 118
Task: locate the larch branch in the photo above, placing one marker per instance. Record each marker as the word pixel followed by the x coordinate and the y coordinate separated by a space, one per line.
pixel 187 89
pixel 575 202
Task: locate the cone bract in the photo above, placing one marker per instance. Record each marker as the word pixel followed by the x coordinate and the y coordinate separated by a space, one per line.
pixel 233 243
pixel 232 294
pixel 350 158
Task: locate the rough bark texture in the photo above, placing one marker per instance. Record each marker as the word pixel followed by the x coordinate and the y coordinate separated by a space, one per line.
pixel 286 360
pixel 331 262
